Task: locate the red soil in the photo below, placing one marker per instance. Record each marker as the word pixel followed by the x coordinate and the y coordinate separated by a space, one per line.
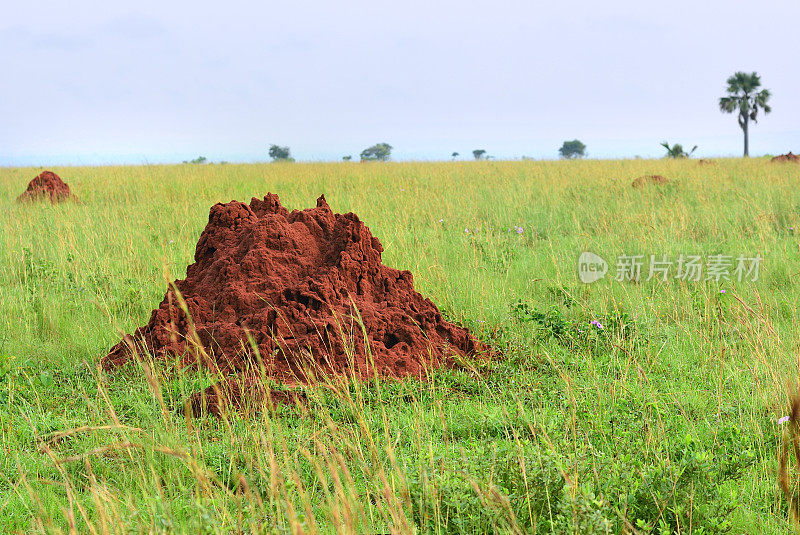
pixel 47 185
pixel 649 179
pixel 787 158
pixel 291 283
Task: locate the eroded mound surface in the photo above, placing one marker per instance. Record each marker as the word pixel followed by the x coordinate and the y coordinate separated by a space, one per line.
pixel 649 179
pixel 47 185
pixel 787 158
pixel 291 283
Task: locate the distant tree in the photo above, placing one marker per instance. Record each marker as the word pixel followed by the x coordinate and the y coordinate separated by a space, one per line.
pixel 478 153
pixel 278 153
pixel 380 152
pixel 744 97
pixel 347 158
pixel 676 151
pixel 454 155
pixel 572 149
pixel 199 159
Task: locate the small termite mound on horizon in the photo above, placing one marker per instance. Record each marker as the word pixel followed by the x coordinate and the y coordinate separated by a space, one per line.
pixel 788 157
pixel 47 186
pixel 646 180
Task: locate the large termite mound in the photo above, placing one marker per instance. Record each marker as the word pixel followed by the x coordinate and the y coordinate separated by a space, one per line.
pixel 302 288
pixel 47 186
pixel 787 158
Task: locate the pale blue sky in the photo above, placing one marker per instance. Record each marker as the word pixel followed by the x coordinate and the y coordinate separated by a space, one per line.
pixel 111 82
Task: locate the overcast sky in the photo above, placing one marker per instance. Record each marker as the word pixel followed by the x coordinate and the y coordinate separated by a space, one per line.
pixel 104 82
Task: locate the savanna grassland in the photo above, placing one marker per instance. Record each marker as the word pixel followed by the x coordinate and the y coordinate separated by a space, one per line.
pixel 661 416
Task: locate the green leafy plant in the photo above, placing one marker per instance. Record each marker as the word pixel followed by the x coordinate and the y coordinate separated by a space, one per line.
pixel 572 149
pixel 676 151
pixel 379 152
pixel 280 154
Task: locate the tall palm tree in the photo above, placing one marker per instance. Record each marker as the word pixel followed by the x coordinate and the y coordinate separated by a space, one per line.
pixel 744 96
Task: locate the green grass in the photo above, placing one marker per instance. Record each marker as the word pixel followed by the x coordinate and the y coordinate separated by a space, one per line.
pixel 665 421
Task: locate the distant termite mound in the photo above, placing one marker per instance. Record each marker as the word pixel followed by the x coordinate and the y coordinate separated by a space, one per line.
pixel 47 185
pixel 280 291
pixel 649 179
pixel 789 157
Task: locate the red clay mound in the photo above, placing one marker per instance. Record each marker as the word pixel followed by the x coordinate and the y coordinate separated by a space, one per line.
pixel 47 185
pixel 649 179
pixel 787 158
pixel 292 282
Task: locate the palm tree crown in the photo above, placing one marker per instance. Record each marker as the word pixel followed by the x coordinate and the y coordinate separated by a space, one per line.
pixel 744 97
